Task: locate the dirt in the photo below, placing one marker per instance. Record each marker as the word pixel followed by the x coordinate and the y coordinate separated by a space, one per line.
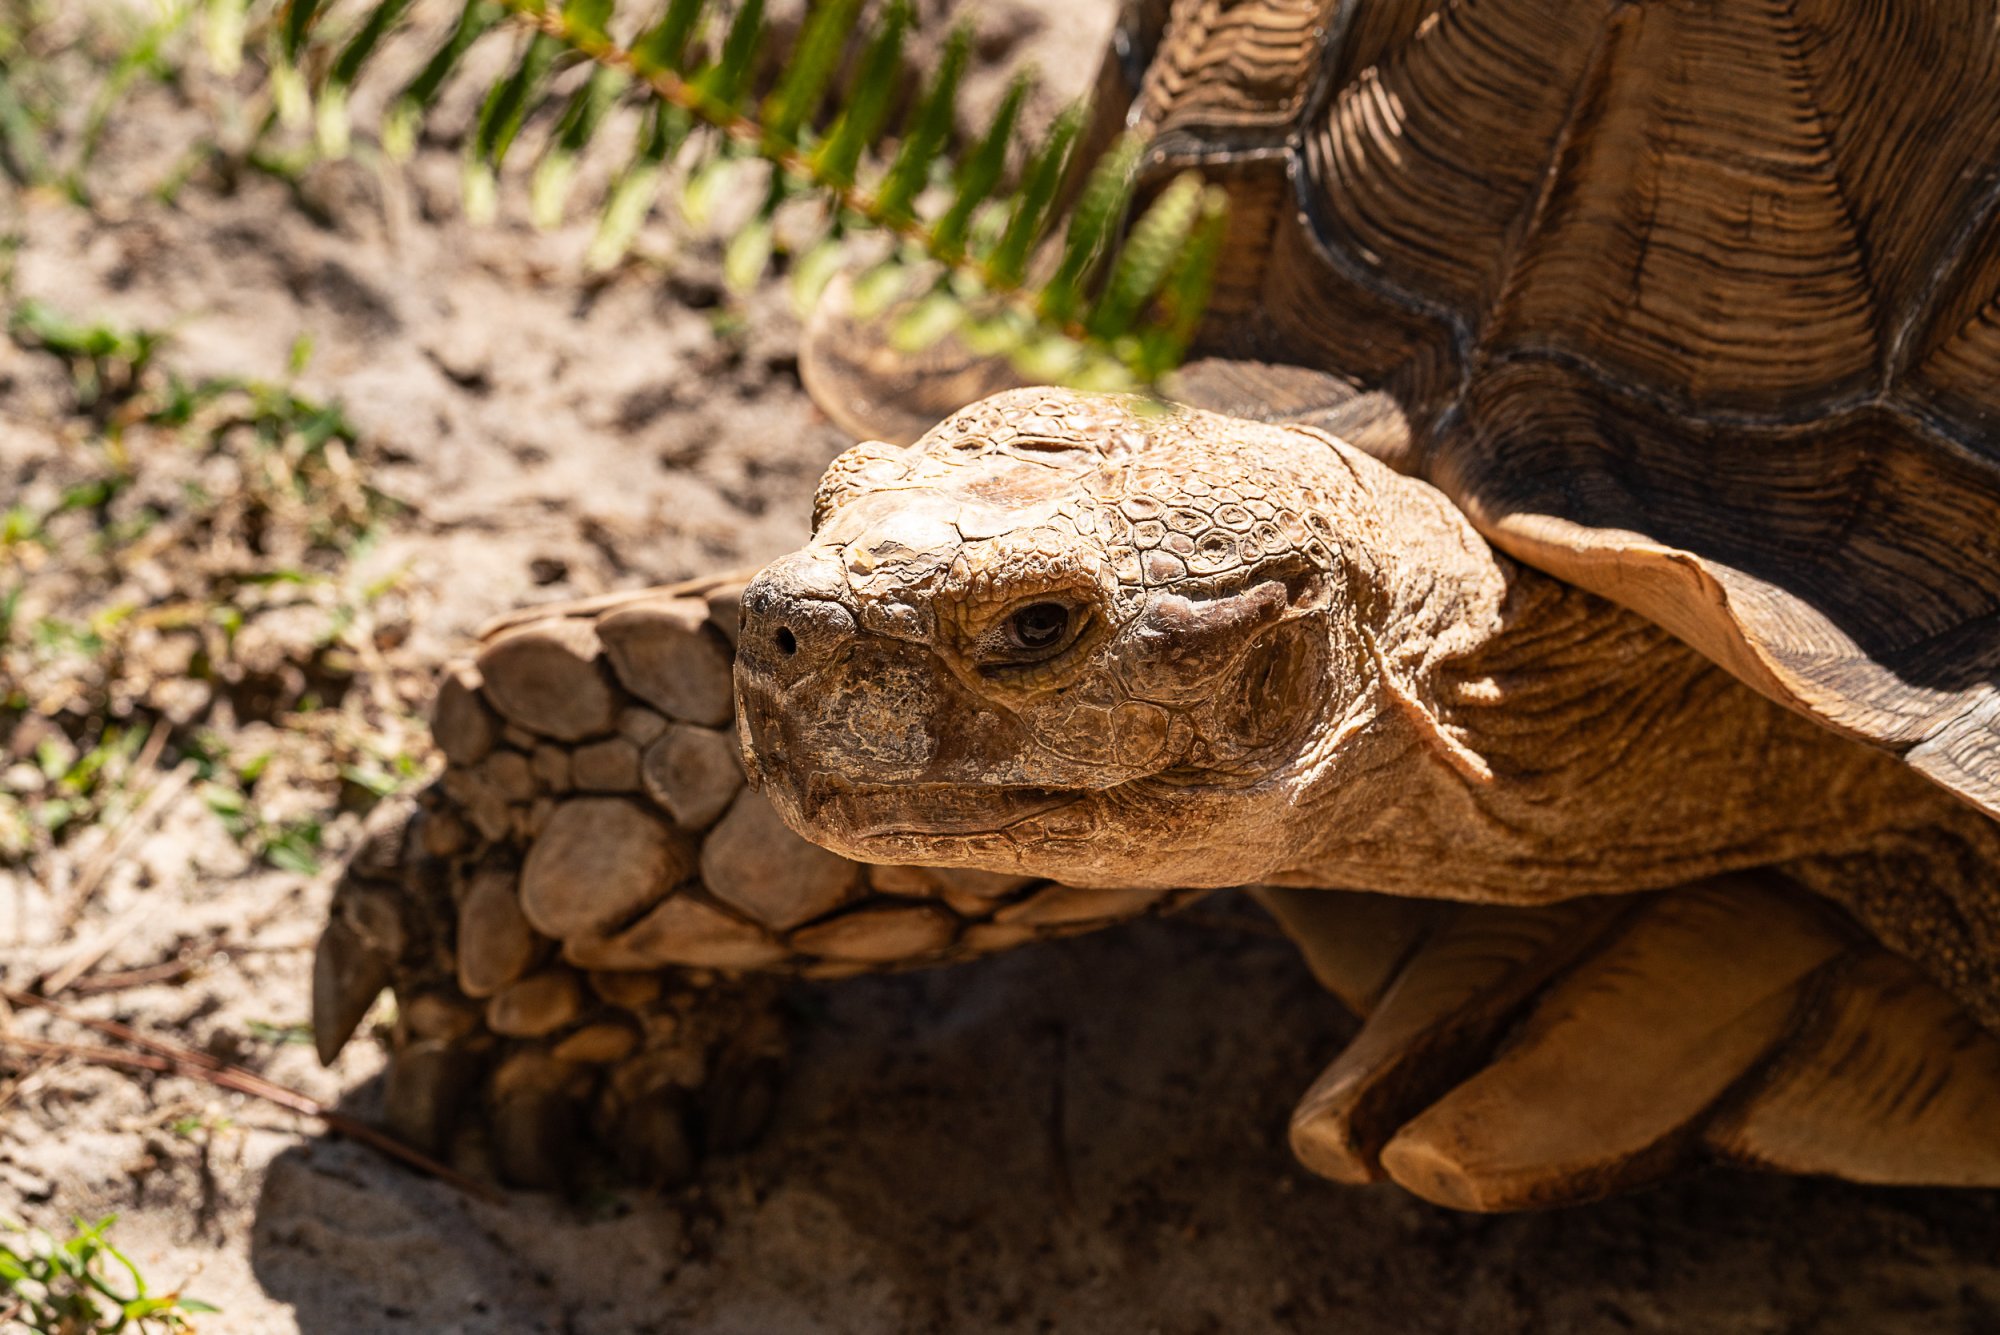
pixel 1082 1137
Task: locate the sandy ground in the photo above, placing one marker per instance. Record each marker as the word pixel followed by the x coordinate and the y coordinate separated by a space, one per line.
pixel 1080 1137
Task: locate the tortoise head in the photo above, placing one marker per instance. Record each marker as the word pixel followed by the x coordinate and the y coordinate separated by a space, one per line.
pixel 1065 634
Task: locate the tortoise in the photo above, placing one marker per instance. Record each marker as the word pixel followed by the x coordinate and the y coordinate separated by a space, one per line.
pixel 1565 584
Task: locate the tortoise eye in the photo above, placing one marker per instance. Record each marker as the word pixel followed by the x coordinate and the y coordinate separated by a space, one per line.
pixel 1038 626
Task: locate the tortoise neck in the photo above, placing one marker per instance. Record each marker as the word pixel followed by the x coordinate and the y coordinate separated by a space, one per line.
pixel 1525 741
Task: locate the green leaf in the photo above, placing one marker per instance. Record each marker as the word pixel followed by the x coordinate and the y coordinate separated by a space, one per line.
pixel 747 255
pixel 1150 249
pixel 877 289
pixel 724 82
pixel 1185 293
pixel 295 850
pixel 632 194
pixel 508 102
pixel 297 25
pixel 500 119
pixel 1098 211
pixel 812 272
pixel 222 23
pixel 331 128
pixel 1035 199
pixel 21 150
pixel 296 1035
pixel 927 321
pixel 382 16
pixel 661 47
pixel 815 56
pixel 875 86
pixel 1050 359
pixel 927 134
pixel 399 131
pixel 980 172
pixel 588 20
pixel 706 185
pixel 580 120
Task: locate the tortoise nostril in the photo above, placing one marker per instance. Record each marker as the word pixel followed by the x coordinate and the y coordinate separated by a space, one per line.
pixel 788 643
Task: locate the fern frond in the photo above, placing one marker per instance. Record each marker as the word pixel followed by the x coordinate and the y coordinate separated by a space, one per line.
pixel 862 122
pixel 830 118
pixel 332 121
pixel 980 172
pixel 586 110
pixel 399 128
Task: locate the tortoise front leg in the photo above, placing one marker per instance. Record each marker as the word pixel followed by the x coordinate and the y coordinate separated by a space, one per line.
pixel 1514 1058
pixel 584 919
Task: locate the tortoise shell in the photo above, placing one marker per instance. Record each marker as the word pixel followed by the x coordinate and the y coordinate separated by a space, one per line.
pixel 1695 305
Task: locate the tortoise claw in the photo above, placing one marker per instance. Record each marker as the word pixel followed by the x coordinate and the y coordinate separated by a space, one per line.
pixel 535 1140
pixel 348 974
pixel 535 1120
pixel 651 1142
pixel 368 929
pixel 426 1090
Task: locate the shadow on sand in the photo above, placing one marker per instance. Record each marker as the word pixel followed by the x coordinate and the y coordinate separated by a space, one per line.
pixel 1089 1137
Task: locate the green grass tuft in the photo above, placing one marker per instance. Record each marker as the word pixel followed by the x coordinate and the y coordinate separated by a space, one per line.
pixel 82 1284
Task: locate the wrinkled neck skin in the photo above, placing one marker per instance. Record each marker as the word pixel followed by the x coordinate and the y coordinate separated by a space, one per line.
pixel 1271 659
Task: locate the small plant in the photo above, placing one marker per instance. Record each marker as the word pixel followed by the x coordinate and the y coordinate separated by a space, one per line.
pixel 68 1286
pixel 129 47
pixel 292 845
pixel 1020 247
pixel 298 1034
pixel 102 358
pixel 93 662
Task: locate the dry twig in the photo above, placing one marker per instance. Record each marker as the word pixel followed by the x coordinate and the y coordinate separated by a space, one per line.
pixel 169 1057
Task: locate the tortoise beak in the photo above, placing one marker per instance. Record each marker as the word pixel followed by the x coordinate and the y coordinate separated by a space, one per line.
pixel 795 625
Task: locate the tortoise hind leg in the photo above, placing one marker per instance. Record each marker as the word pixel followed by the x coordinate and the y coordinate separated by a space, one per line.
pixel 586 919
pixel 1523 1058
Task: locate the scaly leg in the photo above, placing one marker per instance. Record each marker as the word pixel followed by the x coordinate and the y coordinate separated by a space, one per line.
pixel 583 920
